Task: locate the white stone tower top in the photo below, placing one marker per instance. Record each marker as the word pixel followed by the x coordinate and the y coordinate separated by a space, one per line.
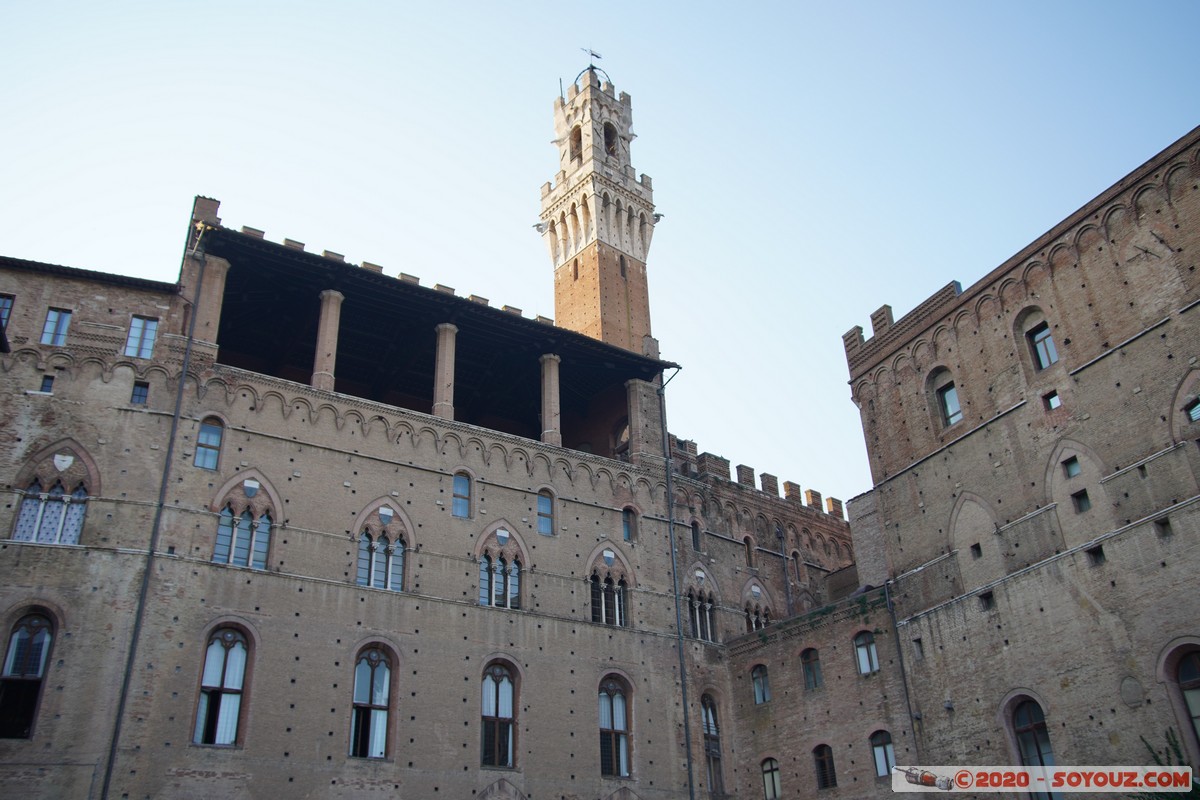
pixel 598 218
pixel 593 132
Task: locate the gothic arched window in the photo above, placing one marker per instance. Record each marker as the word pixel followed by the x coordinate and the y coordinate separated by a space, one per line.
pixel 243 540
pixel 372 704
pixel 614 728
pixel 52 517
pixel 712 747
pixel 498 717
pixel 219 710
pixel 23 675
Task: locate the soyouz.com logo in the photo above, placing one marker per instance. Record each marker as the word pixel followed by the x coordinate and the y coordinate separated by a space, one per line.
pixel 1041 779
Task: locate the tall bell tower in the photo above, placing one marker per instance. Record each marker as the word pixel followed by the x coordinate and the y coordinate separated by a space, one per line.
pixel 598 218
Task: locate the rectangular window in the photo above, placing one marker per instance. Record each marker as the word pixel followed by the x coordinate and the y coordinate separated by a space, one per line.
pixel 987 601
pixel 545 511
pixel 948 399
pixel 977 550
pixel 1096 555
pixel 1071 467
pixel 918 648
pixel 141 393
pixel 47 384
pixel 461 505
pixel 6 304
pixel 54 332
pixel 1052 401
pixel 1042 344
pixel 1162 526
pixel 1192 409
pixel 1082 501
pixel 142 331
pixel 208 445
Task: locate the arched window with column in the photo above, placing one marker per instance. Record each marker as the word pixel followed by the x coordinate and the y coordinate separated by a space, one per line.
pixel 1033 740
pixel 772 785
pixel 24 674
pixel 498 713
pixel 884 755
pixel 381 550
pixel 615 727
pixel 51 517
pixel 823 763
pixel 712 747
pixel 1187 677
pixel 371 704
pixel 222 688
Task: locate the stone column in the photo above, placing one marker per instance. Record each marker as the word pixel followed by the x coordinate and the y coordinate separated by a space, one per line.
pixel 551 410
pixel 327 339
pixel 645 422
pixel 207 307
pixel 443 372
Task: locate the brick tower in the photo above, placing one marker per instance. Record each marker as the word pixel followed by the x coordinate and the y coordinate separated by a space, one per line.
pixel 598 217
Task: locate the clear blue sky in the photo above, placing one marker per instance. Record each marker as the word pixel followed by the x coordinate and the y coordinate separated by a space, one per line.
pixel 813 161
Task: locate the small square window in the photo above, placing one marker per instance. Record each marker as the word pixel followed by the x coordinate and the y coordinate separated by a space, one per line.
pixel 1052 401
pixel 1096 555
pixel 1082 501
pixel 1192 410
pixel 1162 526
pixel 141 393
pixel 977 550
pixel 1071 467
pixel 47 384
pixel 987 601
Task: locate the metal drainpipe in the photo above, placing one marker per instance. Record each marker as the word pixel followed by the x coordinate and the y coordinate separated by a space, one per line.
pixel 887 596
pixel 155 530
pixel 679 641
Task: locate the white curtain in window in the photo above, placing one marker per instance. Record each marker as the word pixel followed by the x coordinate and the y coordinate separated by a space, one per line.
pixel 514 584
pixel 214 660
pixel 379 692
pixel 506 698
pixel 227 719
pixel 606 711
pixel 235 666
pixel 201 718
pixel 378 742
pixel 362 682
pixel 489 696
